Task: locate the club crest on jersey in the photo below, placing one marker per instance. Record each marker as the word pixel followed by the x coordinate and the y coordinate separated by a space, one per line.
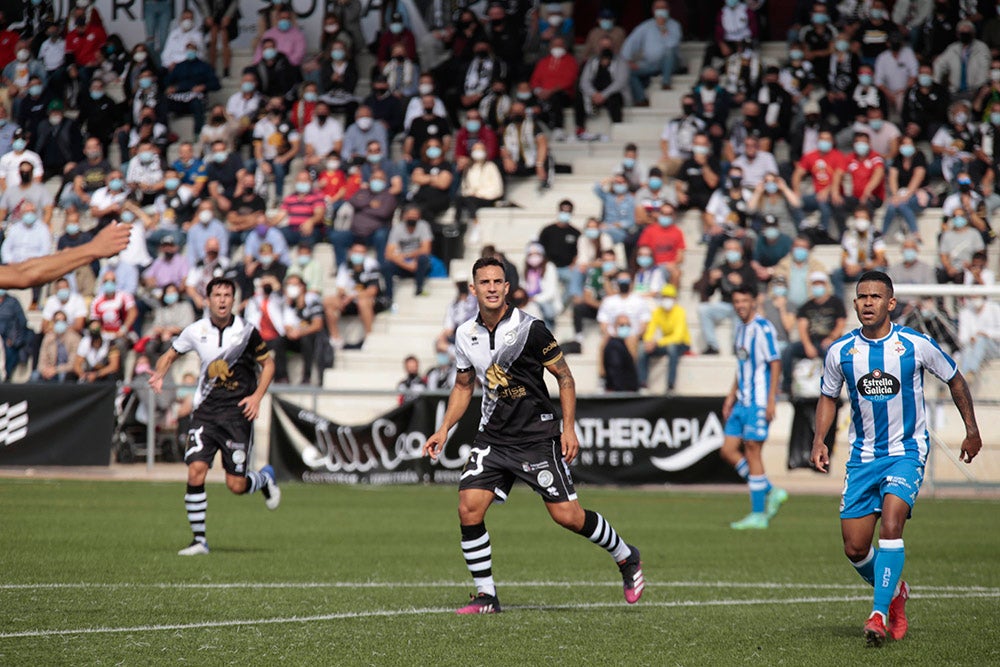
pixel 510 337
pixel 878 386
pixel 742 354
pixel 898 348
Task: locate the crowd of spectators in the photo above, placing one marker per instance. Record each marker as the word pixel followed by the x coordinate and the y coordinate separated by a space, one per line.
pixel 387 144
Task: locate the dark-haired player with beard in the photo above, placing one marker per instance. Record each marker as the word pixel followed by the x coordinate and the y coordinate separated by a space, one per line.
pixel 519 433
pixel 226 402
pixel 882 364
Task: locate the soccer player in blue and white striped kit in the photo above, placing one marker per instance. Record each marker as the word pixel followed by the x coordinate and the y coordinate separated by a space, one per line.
pixel 882 364
pixel 750 405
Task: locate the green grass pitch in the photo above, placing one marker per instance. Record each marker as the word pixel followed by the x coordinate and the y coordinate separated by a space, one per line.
pixel 369 576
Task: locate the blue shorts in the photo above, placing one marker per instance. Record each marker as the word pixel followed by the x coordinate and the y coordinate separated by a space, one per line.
pixel 748 422
pixel 865 484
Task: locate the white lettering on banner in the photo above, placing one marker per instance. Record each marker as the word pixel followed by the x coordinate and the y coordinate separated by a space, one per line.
pixel 692 437
pixel 13 422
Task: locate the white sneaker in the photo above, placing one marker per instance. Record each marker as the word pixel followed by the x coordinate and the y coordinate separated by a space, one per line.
pixel 472 235
pixel 559 134
pixel 196 548
pixel 272 494
pixel 337 343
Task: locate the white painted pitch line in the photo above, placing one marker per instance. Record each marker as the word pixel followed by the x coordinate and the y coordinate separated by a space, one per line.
pixel 439 610
pixel 464 584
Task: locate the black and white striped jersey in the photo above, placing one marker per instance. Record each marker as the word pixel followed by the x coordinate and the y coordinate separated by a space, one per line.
pixel 510 363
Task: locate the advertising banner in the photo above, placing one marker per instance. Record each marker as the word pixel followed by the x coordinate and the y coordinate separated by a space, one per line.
pixel 56 424
pixel 629 440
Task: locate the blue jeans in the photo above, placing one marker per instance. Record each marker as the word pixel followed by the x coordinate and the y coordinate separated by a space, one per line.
pixel 638 79
pixel 711 313
pixel 979 352
pixel 673 353
pixel 390 270
pixel 908 210
pixel 280 170
pixel 12 356
pixel 157 14
pixel 566 279
pixel 576 282
pixel 294 237
pixel 826 210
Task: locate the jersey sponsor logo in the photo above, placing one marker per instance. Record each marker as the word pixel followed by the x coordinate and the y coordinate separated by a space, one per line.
pixel 851 352
pixel 13 422
pixel 498 383
pixel 545 478
pixel 532 467
pixel 220 373
pixel 548 348
pixel 878 386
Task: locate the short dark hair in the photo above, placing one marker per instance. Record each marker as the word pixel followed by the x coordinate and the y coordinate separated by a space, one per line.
pixel 877 277
pixel 483 262
pixel 217 281
pixel 745 289
pixel 566 202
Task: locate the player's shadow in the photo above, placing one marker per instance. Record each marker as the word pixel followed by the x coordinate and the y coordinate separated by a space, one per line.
pixel 240 550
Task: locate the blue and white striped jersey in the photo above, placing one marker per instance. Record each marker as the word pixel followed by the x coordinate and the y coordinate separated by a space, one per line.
pixel 885 383
pixel 755 350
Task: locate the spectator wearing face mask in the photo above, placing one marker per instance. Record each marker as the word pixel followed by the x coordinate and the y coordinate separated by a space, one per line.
pixel 978 334
pixel 598 278
pixel 665 240
pixel 59 346
pixel 96 358
pixel 907 195
pixel 666 335
pixel 413 384
pixel 286 37
pixel 408 251
pixel 223 172
pixel 820 321
pixel 964 65
pixel 27 237
pixel 63 299
pixel 358 286
pixel 540 281
pixel 956 247
pixel 734 271
pixel 145 174
pixel 303 331
pixel 169 267
pixel 169 319
pixel 432 178
pixel 426 126
pixel 400 74
pixel 338 79
pixel 361 133
pixel 910 270
pixel 184 33
pixel 771 247
pixel 243 108
pixel 867 171
pixel 618 357
pixel 26 191
pixel 863 249
pixel 188 85
pixel 114 310
pixel 307 268
pixel 481 187
pixel 10 163
pixel 275 144
pixel 302 212
pixel 213 264
pixel 206 225
pixel 322 136
pixel 524 148
pixel 559 241
pixel 618 303
pixel 653 47
pixel 619 207
pixel 373 207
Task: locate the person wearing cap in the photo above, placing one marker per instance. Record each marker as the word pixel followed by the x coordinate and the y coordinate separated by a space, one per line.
pixel 667 335
pixel 819 321
pixel 863 249
pixel 606 28
pixel 653 47
pixel 395 32
pixel 965 64
pixel 286 36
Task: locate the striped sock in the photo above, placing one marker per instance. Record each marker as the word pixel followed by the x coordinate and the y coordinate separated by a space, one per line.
pixel 743 468
pixel 866 566
pixel 196 504
pixel 255 481
pixel 888 568
pixel 479 557
pixel 599 531
pixel 758 492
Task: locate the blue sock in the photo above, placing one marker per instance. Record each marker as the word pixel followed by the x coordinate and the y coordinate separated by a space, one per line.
pixel 888 568
pixel 758 492
pixel 866 566
pixel 742 468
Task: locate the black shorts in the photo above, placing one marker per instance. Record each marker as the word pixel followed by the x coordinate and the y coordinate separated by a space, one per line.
pixel 540 465
pixel 233 29
pixel 232 437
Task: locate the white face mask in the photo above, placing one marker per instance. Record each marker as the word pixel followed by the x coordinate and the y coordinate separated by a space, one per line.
pixel 205 216
pixel 293 291
pixel 479 155
pixel 558 52
pixel 667 303
pixel 862 225
pixel 426 88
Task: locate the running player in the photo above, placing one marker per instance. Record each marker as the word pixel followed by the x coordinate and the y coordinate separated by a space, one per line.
pixel 749 408
pixel 519 434
pixel 225 404
pixel 883 366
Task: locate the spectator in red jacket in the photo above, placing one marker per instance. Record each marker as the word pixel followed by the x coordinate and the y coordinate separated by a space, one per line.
pixel 554 84
pixel 474 131
pixel 84 42
pixel 396 33
pixel 8 42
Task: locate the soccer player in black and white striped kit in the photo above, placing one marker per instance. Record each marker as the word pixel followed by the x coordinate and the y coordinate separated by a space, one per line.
pixel 226 402
pixel 519 433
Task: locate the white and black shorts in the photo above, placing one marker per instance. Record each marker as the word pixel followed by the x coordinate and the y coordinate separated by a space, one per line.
pixel 540 465
pixel 233 438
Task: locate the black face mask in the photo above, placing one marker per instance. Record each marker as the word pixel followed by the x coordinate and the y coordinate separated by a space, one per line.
pixel 965 37
pixel 428 111
pixel 607 54
pixel 218 119
pixel 624 286
pixel 321 117
pixel 735 181
pixel 26 177
pixel 379 92
pixel 268 288
pixel 516 118
pixel 965 187
pixel 482 54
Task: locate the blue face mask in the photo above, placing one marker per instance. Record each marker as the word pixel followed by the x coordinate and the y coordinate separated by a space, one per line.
pixel 337 54
pixel 60 327
pixel 96 94
pixel 72 228
pixel 29 218
pixel 820 18
pixel 145 83
pixel 779 290
pixel 606 24
pixel 824 145
pixel 665 220
pixel 925 80
pixel 35 90
pixel 284 25
pixel 108 287
pixel 958 222
pixel 433 152
pixel 473 125
pixel 310 96
pixel 609 267
pixel 170 298
pixel 396 28
pixel 624 331
pixel 191 54
pixel 443 359
pixel 63 295
pixel 357 258
pixel 116 184
pixel 909 255
pixel 565 216
pixel 865 79
pixel 19 144
pixel 655 183
pixel 818 291
pixel 907 150
pixel 270 53
pixel 770 187
pixel 628 162
pixel 733 256
pixel 619 188
pixel 592 233
pixel 796 54
pixel 377 185
pixel 128 216
pixel 842 45
pixel 800 254
pixel 771 233
pixel 247 86
pixel 861 148
pixel 303 188
pixel 876 124
pixel 645 261
pixel 303 260
pixel 172 183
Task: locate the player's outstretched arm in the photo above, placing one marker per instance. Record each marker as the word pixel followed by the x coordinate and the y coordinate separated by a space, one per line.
pixel 962 397
pixel 34 272
pixel 826 410
pixel 162 366
pixel 458 403
pixel 567 400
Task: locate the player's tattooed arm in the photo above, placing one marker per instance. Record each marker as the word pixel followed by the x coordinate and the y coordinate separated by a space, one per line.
pixel 962 397
pixel 564 376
